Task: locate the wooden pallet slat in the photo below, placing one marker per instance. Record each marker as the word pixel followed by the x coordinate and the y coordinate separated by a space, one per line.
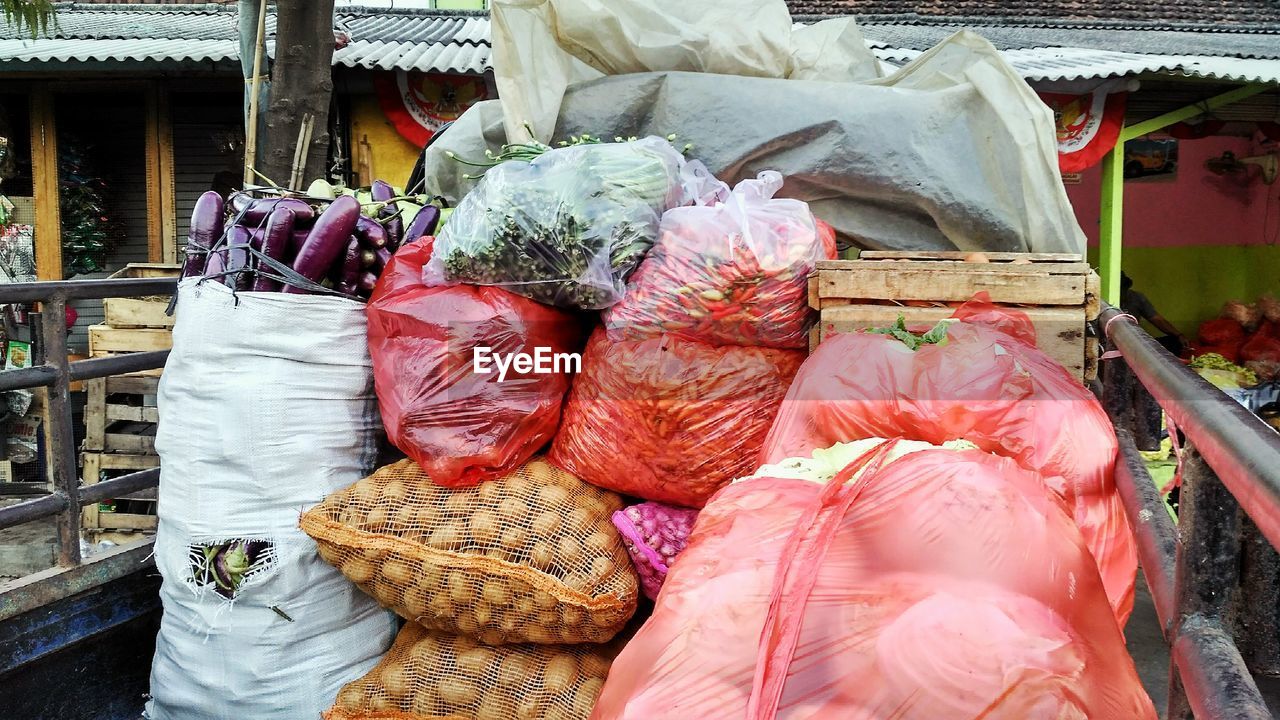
pixel 96 520
pixel 1057 291
pixel 104 340
pixel 1043 284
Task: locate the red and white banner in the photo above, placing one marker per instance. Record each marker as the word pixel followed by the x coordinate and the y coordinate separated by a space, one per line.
pixel 417 104
pixel 1088 125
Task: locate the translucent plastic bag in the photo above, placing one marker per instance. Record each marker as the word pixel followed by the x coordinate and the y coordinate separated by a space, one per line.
pixel 433 675
pixel 565 228
pixel 655 534
pixel 529 558
pixel 670 419
pixel 459 425
pixel 944 585
pixel 728 274
pixel 992 388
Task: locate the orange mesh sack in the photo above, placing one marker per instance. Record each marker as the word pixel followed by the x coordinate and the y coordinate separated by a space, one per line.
pixel 529 558
pixel 670 419
pixel 433 675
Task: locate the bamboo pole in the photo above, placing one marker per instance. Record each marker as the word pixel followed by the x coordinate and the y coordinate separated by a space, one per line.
pixel 300 152
pixel 251 131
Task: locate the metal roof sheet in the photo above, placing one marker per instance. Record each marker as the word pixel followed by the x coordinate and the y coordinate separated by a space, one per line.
pixel 922 36
pixel 138 50
pixel 426 41
pixel 422 57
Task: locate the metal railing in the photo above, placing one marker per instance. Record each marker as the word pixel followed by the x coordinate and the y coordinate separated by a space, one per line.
pixel 66 496
pixel 1213 577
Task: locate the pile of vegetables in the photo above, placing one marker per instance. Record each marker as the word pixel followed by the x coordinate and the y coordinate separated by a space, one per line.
pixel 529 558
pixel 1244 334
pixel 304 244
pixel 434 675
pixel 563 226
pixel 1222 372
pixel 733 273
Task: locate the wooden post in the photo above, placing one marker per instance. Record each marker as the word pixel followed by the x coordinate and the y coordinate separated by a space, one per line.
pixel 162 220
pixel 1111 228
pixel 44 165
pixel 251 125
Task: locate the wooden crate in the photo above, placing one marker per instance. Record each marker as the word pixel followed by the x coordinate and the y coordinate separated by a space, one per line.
pixel 94 518
pixel 1058 292
pixel 120 414
pixel 144 312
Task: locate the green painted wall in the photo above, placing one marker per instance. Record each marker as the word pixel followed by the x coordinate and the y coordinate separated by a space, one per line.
pixel 1189 284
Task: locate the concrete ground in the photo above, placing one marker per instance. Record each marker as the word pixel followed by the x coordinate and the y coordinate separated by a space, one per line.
pixel 1151 655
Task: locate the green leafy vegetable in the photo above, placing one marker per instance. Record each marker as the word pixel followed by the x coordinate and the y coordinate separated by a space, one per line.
pixel 936 336
pixel 564 228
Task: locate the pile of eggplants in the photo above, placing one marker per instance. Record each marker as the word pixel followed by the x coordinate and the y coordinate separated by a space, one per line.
pixel 297 244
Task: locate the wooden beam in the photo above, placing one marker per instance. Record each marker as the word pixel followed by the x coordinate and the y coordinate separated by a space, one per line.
pixel 169 194
pixel 44 167
pixel 155 177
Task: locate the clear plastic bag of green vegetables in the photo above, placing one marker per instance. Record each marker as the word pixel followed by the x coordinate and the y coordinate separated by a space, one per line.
pixel 564 226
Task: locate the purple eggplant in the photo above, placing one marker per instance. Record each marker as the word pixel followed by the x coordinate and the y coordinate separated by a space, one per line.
pixel 384 257
pixel 349 273
pixel 367 281
pixel 206 229
pixel 423 224
pixel 326 241
pixel 368 258
pixel 260 209
pixel 390 213
pixel 239 240
pixel 275 244
pixel 371 232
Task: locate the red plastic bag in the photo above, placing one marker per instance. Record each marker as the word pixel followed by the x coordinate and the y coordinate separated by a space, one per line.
pixel 1263 345
pixel 461 426
pixel 941 586
pixel 670 419
pixel 655 534
pixel 981 385
pixel 1221 331
pixel 733 273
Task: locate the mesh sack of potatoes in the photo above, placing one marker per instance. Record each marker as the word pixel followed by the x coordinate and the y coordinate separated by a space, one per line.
pixel 532 557
pixel 428 674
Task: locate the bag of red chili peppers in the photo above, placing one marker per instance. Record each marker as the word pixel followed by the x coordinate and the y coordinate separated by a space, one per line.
pixel 731 273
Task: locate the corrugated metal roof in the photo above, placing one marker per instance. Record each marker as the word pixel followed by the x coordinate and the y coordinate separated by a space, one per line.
pixel 1058 64
pixel 438 57
pixel 135 49
pixel 1208 13
pixel 426 41
pixel 922 36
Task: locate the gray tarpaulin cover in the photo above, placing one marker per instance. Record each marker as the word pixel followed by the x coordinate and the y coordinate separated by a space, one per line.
pixel 953 151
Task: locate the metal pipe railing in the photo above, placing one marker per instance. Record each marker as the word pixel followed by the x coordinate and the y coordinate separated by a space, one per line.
pixel 1243 450
pixel 56 374
pixel 1230 469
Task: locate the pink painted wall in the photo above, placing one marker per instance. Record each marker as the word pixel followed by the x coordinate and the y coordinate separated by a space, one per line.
pixel 1194 242
pixel 1195 208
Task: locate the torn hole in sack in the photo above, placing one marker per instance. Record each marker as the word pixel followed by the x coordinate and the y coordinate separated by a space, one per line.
pixel 228 566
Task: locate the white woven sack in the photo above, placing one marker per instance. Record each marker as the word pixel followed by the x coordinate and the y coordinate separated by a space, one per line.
pixel 266 406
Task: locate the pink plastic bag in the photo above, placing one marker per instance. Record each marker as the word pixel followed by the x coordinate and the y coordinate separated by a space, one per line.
pixel 983 385
pixel 655 534
pixel 732 273
pixel 942 586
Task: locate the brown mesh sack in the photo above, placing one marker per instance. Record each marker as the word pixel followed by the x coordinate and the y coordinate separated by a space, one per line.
pixel 433 675
pixel 529 558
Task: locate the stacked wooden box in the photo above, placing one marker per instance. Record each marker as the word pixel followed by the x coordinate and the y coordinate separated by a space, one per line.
pixel 1058 292
pixel 120 412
